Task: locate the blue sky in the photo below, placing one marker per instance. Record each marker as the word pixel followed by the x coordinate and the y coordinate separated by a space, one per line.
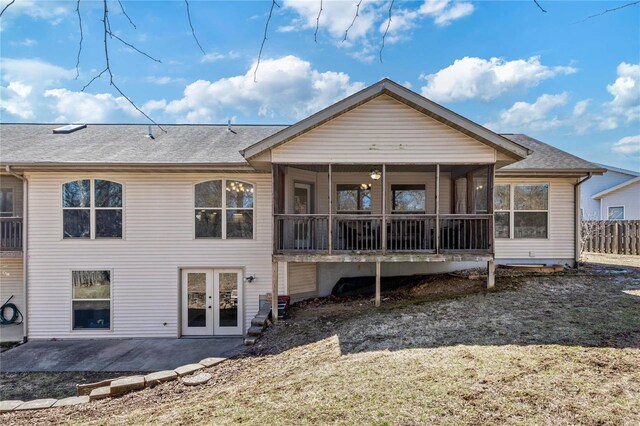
pixel 503 64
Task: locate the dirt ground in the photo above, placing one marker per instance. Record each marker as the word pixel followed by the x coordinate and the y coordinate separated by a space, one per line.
pixel 539 349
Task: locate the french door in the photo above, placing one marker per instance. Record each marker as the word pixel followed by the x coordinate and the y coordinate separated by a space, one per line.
pixel 212 302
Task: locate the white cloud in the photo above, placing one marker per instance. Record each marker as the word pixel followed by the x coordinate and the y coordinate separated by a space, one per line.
pixel 88 107
pixel 531 116
pixel 629 145
pixel 52 11
pixel 287 87
pixel 445 11
pixel 31 90
pixel 364 36
pixel 27 42
pixel 216 56
pixel 626 92
pixel 164 80
pixel 478 78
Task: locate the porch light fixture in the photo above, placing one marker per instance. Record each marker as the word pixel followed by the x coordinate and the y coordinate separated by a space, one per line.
pixel 375 174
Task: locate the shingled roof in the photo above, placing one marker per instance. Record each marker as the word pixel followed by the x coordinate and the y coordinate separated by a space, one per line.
pixel 202 145
pixel 121 144
pixel 545 157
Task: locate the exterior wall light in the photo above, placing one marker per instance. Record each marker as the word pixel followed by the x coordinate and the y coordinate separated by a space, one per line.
pixel 376 174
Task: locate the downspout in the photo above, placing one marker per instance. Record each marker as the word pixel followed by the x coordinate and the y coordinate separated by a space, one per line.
pixel 25 228
pixel 578 216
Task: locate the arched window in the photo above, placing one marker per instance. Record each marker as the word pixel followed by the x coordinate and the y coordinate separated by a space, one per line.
pixel 92 208
pixel 224 213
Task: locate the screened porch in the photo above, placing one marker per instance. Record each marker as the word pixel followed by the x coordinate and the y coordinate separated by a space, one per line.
pixel 383 209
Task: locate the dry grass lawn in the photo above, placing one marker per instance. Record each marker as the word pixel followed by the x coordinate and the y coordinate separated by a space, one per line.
pixel 561 349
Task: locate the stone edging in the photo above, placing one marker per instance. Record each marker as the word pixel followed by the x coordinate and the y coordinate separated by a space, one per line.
pixel 116 387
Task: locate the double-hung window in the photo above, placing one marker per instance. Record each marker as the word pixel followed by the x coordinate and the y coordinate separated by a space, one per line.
pixel 521 210
pixel 92 208
pixel 408 199
pixel 354 198
pixel 91 299
pixel 6 202
pixel 225 214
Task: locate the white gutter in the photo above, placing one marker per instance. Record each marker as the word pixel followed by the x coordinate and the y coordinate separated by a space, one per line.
pixel 25 228
pixel 578 216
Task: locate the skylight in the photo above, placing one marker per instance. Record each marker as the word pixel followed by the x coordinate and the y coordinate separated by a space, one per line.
pixel 69 128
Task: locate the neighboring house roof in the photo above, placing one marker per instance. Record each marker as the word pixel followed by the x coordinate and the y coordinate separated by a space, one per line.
pixel 120 144
pixel 619 170
pixel 623 185
pixel 546 158
pixel 401 94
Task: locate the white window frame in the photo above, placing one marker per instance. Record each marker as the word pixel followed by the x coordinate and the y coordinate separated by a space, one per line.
pixel 223 209
pixel 110 300
pixel 92 209
pixel 13 204
pixel 616 207
pixel 512 211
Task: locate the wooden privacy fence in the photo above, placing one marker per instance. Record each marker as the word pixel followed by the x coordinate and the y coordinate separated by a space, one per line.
pixel 617 237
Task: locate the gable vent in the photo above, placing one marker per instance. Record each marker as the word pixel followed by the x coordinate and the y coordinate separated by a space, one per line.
pixel 69 128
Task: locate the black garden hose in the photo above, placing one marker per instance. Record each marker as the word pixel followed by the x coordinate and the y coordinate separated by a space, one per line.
pixel 16 315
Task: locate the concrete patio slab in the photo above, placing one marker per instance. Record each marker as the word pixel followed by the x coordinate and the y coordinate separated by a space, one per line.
pixel 115 354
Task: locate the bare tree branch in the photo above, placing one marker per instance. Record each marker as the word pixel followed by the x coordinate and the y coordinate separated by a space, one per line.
pixel 193 31
pixel 81 38
pixel 539 7
pixel 134 48
pixel 6 7
pixel 315 35
pixel 384 36
pixel 107 69
pixel 264 39
pixel 633 3
pixel 346 33
pixel 125 14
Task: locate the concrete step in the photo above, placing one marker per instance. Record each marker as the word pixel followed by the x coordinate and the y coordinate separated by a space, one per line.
pixel 250 340
pixel 255 330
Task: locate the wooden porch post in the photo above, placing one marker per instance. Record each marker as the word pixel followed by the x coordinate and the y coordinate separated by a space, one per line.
pixel 437 208
pixel 383 231
pixel 491 273
pixel 274 291
pixel 377 283
pixel 330 225
pixel 490 183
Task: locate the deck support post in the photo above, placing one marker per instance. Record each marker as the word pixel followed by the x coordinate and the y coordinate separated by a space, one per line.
pixel 491 274
pixel 437 200
pixel 274 291
pixel 383 231
pixel 330 224
pixel 378 283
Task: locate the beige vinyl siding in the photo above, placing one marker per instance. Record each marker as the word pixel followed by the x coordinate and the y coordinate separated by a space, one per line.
pixel 158 241
pixel 12 182
pixel 302 280
pixel 560 243
pixel 11 284
pixel 383 130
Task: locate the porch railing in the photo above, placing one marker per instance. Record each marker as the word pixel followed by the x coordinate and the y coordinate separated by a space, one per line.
pixel 301 233
pixel 409 233
pixel 466 233
pixel 10 233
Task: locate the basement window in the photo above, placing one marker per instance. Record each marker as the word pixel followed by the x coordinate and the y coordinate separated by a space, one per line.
pixel 91 300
